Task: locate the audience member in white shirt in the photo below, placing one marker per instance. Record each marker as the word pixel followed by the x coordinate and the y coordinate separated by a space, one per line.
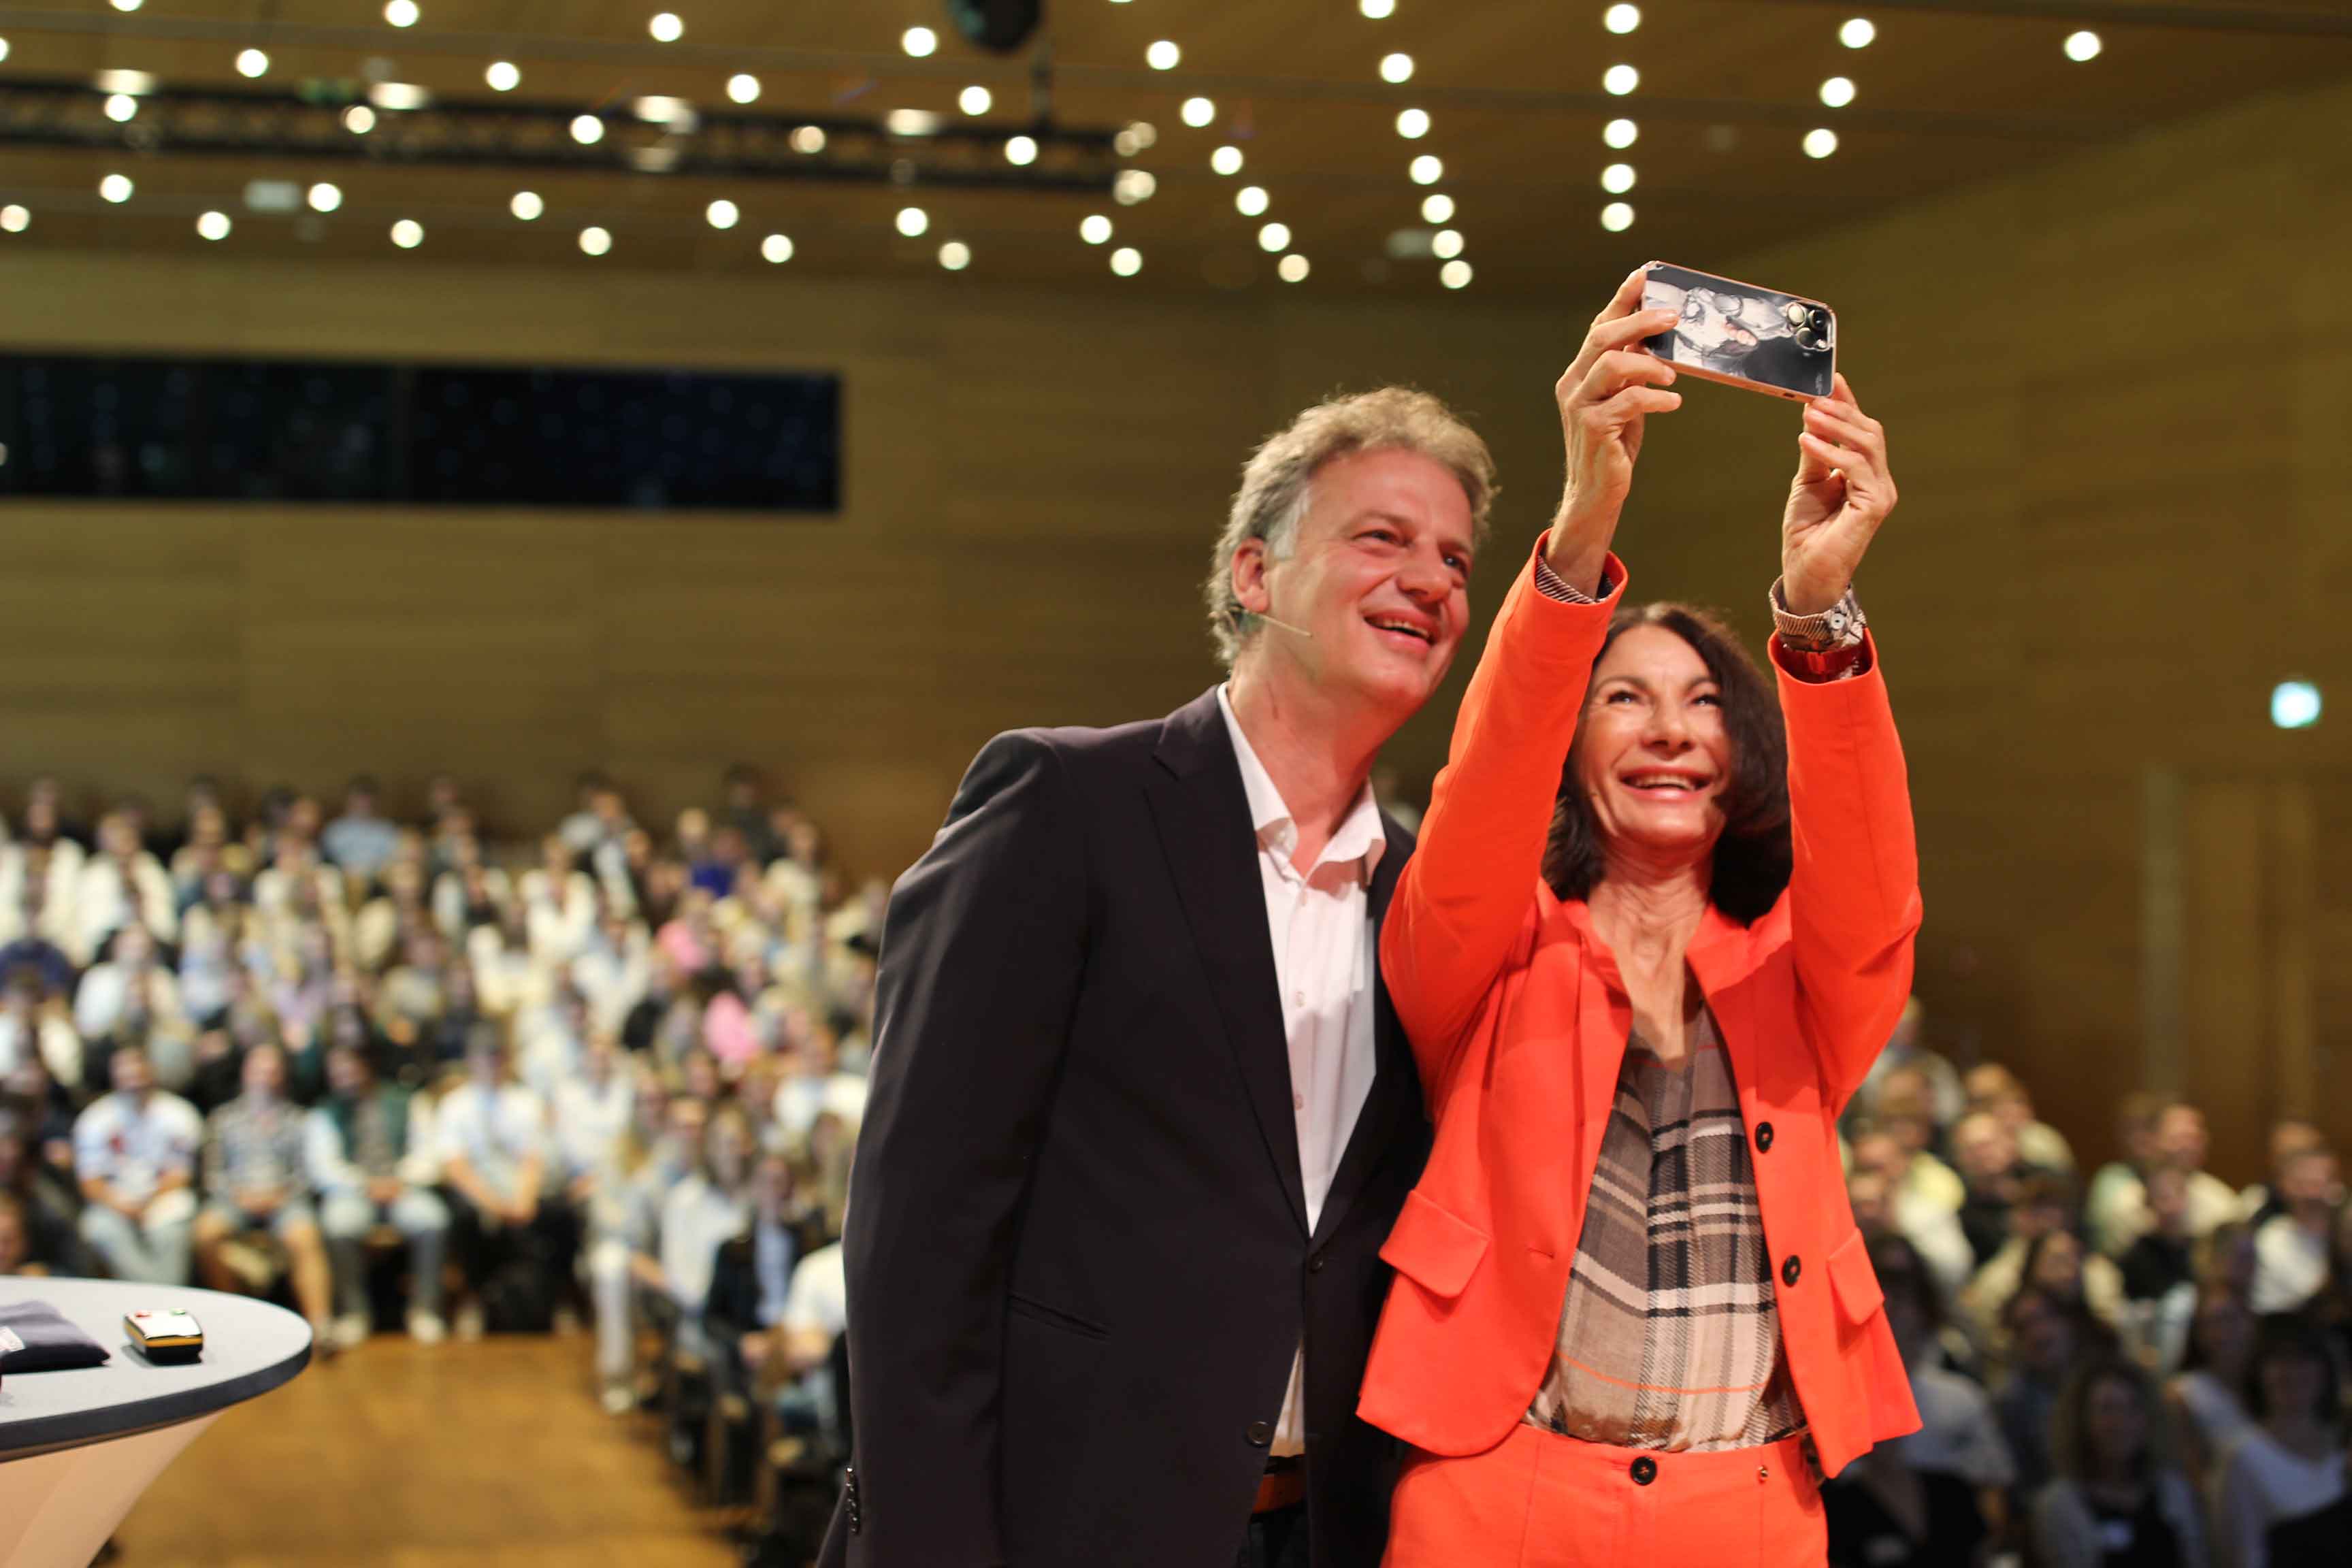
pixel 491 1131
pixel 135 1151
pixel 2290 1463
pixel 2291 1250
pixel 702 1213
pixel 31 1025
pixel 2207 1398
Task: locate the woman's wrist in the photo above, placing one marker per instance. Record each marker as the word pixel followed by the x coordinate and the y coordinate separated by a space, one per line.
pixel 1578 547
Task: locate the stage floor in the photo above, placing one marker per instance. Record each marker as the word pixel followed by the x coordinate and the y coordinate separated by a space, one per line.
pixel 463 1454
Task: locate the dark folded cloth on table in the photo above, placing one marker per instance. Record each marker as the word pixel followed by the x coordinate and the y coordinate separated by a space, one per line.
pixel 36 1337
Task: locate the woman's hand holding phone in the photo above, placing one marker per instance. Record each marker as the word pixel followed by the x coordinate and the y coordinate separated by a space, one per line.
pixel 1840 495
pixel 1604 397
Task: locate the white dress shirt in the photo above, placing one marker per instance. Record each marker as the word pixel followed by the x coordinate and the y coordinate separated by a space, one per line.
pixel 1325 962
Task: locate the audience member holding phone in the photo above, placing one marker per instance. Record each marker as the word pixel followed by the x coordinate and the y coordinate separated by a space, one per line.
pixel 1648 948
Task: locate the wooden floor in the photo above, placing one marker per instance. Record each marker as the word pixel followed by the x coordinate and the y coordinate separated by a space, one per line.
pixel 493 1453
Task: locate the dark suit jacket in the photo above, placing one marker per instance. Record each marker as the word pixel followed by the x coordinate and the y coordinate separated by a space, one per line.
pixel 1078 1257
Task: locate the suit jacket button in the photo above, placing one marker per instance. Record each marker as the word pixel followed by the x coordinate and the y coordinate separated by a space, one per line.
pixel 1763 1138
pixel 1260 1434
pixel 1790 1269
pixel 1644 1471
pixel 1315 1264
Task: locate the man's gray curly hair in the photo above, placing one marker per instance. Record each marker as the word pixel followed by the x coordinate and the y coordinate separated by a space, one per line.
pixel 1275 485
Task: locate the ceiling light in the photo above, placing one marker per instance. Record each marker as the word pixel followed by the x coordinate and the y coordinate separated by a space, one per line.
pixel 1133 185
pixel 126 4
pixel 132 82
pixel 398 95
pixel 408 234
pixel 213 226
pixel 2295 704
pixel 1377 10
pixel 1226 159
pixel 1446 244
pixel 723 213
pixel 1198 111
pixel 913 221
pixel 1617 179
pixel 1396 67
pixel 1436 208
pixel 1412 124
pixel 399 13
pixel 666 27
pixel 587 130
pixel 1250 200
pixel 120 106
pixel 1273 237
pixel 4 55
pixel 919 41
pixel 975 100
pixel 251 62
pixel 743 88
pixel 1838 91
pixel 272 196
pixel 1622 18
pixel 116 188
pixel 2082 46
pixel 808 139
pixel 777 249
pixel 504 75
pixel 1621 134
pixel 1127 261
pixel 324 197
pixel 1427 169
pixel 359 120
pixel 15 219
pixel 1292 269
pixel 1162 56
pixel 1857 32
pixel 1455 274
pixel 1093 228
pixel 910 122
pixel 955 255
pixel 526 205
pixel 1617 217
pixel 596 240
pixel 1021 150
pixel 1620 79
pixel 1140 134
pixel 1820 142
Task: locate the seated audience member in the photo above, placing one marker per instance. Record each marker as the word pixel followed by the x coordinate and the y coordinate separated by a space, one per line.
pixel 623 1217
pixel 490 1132
pixel 2159 1274
pixel 30 931
pixel 120 886
pixel 1984 1151
pixel 2178 1140
pixel 2113 1207
pixel 255 1183
pixel 1921 1219
pixel 135 1151
pixel 2261 1201
pixel 370 1151
pixel 613 970
pixel 815 1316
pixel 753 1276
pixel 1994 1088
pixel 2047 1336
pixel 700 1214
pixel 362 840
pixel 45 1111
pixel 2117 1500
pixel 2289 1462
pixel 34 1023
pixel 44 1194
pixel 130 994
pixel 814 1081
pixel 2291 1249
pixel 2208 1395
pixel 2042 1250
pixel 1934 1498
pixel 588 1116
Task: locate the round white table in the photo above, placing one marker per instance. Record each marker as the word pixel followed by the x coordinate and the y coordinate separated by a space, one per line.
pixel 77 1448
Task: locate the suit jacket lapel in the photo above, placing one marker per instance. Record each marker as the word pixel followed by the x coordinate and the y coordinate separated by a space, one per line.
pixel 1395 1095
pixel 1203 817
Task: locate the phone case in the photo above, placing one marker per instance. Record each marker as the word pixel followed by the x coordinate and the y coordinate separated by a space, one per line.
pixel 1742 335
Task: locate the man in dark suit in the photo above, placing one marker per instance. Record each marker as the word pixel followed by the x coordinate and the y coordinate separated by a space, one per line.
pixel 1141 1117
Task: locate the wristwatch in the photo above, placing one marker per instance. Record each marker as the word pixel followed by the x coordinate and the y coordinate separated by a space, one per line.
pixel 1839 626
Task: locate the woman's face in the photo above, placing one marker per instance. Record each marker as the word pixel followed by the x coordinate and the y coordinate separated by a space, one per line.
pixel 1652 757
pixel 2114 1427
pixel 2060 1266
pixel 2226 1329
pixel 2291 1384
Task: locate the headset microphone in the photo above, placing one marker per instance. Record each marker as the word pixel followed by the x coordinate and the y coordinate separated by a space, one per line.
pixel 1286 625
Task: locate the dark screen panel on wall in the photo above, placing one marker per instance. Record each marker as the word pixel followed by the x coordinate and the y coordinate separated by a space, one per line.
pixel 77 425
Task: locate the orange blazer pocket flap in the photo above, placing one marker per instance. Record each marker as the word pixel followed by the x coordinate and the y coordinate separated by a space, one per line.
pixel 1433 1248
pixel 1853 1279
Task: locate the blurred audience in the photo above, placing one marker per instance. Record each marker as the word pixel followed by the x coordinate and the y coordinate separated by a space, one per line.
pixel 2117 1498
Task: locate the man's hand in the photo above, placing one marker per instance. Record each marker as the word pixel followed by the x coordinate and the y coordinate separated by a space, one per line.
pixel 382 1190
pixel 1840 495
pixel 259 1202
pixel 1604 397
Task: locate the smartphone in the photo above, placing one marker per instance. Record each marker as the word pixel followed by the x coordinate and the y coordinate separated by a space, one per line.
pixel 1742 335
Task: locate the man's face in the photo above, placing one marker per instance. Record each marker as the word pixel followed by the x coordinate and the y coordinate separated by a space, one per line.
pixel 264 1073
pixel 1378 579
pixel 131 1073
pixel 2180 1137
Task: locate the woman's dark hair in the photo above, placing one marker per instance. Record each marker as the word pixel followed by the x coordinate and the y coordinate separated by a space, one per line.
pixel 1752 858
pixel 2291 1336
pixel 2070 1452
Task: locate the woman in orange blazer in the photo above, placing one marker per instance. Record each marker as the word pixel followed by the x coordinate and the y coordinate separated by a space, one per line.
pixel 1632 1320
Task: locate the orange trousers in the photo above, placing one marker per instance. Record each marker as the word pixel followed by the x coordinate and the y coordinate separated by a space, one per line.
pixel 1538 1499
